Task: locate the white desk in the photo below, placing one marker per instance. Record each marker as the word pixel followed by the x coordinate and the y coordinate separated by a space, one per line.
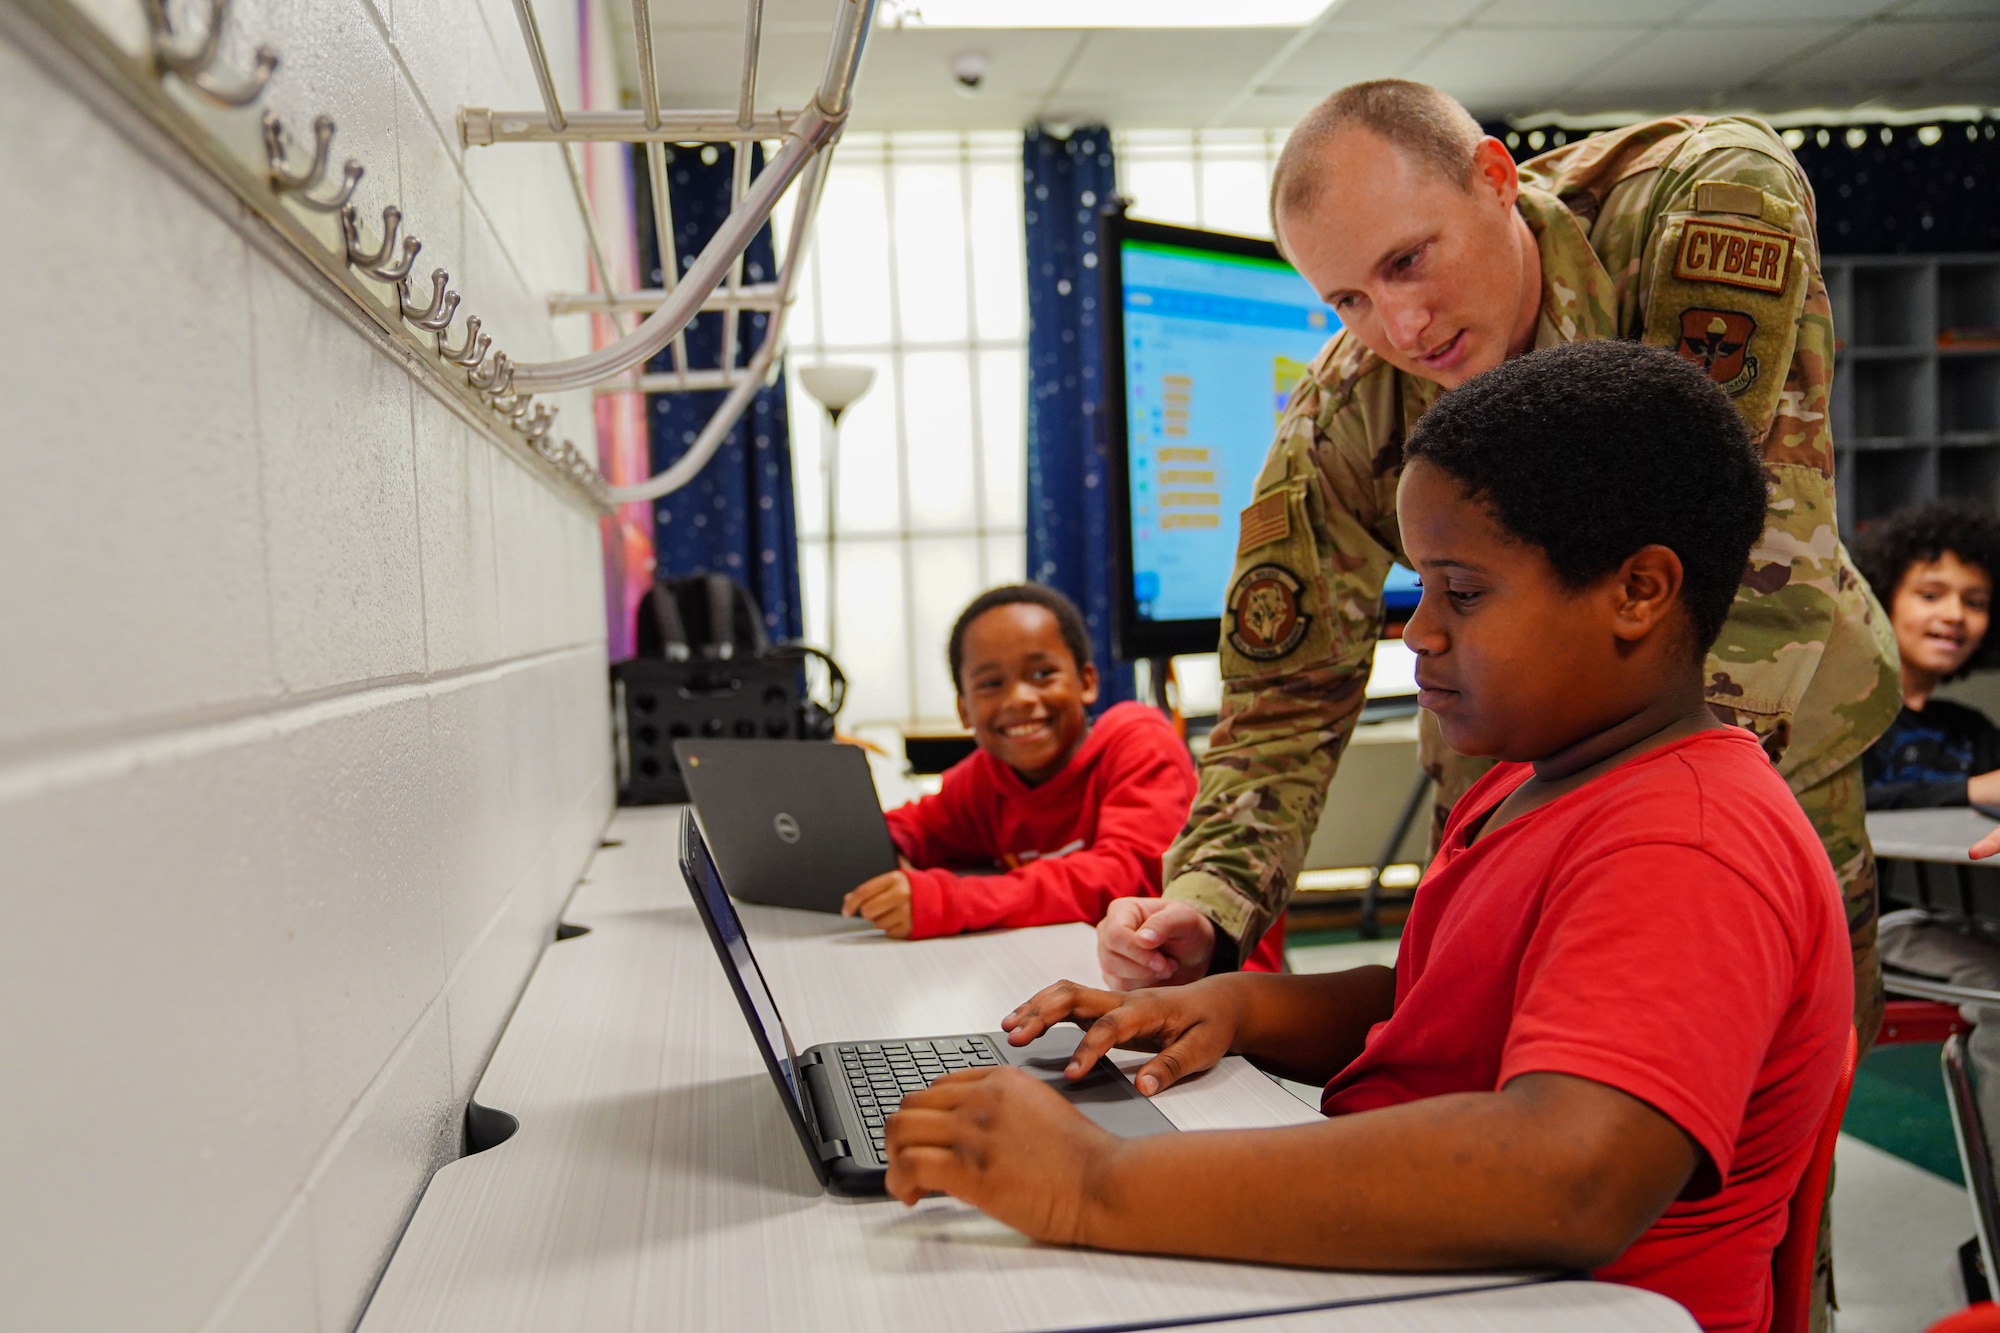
pixel 1541 1307
pixel 655 1182
pixel 1927 835
pixel 1922 862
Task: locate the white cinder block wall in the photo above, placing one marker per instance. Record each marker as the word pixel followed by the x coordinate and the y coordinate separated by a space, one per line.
pixel 302 706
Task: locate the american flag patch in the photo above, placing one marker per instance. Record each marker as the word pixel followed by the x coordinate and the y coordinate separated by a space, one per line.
pixel 1267 521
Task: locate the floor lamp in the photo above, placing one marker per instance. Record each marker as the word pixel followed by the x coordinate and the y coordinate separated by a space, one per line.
pixel 835 388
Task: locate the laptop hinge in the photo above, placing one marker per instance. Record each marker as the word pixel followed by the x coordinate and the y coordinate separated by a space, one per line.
pixel 817 1083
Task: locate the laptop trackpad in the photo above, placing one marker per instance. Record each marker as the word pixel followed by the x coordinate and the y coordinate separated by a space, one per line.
pixel 1104 1095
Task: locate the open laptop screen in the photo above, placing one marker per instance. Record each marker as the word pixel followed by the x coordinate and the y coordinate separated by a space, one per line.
pixel 747 980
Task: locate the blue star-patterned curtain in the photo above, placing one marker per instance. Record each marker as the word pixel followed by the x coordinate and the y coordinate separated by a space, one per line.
pixel 1879 188
pixel 1067 182
pixel 736 516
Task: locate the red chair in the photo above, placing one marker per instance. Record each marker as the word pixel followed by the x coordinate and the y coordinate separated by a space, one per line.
pixel 1981 1318
pixel 1792 1264
pixel 1907 1022
pixel 1937 1016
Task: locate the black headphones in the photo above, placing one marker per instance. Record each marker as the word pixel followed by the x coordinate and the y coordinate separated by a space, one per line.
pixel 815 718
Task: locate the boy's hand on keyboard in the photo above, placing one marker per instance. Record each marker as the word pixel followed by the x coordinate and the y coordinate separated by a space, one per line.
pixel 1190 1026
pixel 885 902
pixel 1004 1142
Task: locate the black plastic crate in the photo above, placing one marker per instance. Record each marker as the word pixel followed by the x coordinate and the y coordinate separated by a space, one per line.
pixel 655 703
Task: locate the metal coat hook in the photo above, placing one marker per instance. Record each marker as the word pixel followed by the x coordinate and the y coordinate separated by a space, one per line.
pixel 284 182
pixel 436 317
pixel 377 265
pixel 192 66
pixel 350 228
pixel 472 351
pixel 399 271
pixel 494 377
pixel 537 425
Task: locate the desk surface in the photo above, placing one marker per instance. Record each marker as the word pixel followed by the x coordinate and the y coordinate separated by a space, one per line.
pixel 1927 835
pixel 655 1182
pixel 1540 1307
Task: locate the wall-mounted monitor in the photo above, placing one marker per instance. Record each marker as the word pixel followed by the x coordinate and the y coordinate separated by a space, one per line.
pixel 1206 335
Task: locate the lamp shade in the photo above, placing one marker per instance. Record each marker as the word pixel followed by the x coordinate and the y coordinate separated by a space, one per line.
pixel 836 387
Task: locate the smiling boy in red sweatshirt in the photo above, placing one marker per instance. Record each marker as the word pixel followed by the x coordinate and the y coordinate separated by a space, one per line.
pixel 1050 818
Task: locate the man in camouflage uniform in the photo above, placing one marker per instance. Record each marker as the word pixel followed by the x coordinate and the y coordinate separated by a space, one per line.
pixel 1691 233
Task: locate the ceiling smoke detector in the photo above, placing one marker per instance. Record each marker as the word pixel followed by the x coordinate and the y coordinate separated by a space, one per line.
pixel 968 72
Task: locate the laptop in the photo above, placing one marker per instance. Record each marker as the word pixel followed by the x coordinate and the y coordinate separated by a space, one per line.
pixel 792 823
pixel 839 1094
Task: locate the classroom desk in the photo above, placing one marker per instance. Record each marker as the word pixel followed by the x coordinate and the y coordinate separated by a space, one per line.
pixel 656 1184
pixel 1922 862
pixel 1541 1307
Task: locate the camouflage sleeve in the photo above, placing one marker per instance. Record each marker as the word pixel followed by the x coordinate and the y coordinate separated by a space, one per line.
pixel 1732 282
pixel 1299 626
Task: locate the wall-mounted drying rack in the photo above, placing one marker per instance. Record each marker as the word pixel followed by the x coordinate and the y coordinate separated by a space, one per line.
pixel 416 313
pixel 714 280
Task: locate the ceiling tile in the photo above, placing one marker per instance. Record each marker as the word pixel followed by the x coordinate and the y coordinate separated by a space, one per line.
pixel 907 61
pixel 1596 13
pixel 1278 110
pixel 1511 57
pixel 1341 55
pixel 727 15
pixel 1134 111
pixel 1500 70
pixel 1413 13
pixel 1917 9
pixel 944 113
pixel 1892 51
pixel 1777 11
pixel 1158 61
pixel 1980 68
pixel 700 69
pixel 1698 62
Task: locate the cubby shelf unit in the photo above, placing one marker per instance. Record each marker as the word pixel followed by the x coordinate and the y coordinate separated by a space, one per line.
pixel 1916 385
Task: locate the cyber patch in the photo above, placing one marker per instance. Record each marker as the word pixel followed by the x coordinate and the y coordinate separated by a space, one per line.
pixel 1737 256
pixel 1719 342
pixel 1266 620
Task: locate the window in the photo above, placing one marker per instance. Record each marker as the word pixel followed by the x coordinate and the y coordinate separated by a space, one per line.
pixel 915 269
pixel 1216 179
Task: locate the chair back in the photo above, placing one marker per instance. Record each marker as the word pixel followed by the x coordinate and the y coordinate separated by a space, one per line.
pixel 1981 1318
pixel 1792 1263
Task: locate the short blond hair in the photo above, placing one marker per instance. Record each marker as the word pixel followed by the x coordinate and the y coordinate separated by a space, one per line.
pixel 1427 124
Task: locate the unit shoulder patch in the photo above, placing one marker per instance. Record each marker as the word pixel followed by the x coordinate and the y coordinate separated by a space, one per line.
pixel 1734 255
pixel 1719 342
pixel 1267 619
pixel 1268 520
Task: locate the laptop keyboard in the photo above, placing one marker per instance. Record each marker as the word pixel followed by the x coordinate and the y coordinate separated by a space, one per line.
pixel 879 1073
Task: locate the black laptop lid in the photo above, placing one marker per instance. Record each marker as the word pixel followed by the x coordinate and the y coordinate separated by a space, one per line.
pixel 746 979
pixel 790 823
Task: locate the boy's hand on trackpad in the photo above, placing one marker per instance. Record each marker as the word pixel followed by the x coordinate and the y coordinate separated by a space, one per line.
pixel 1190 1027
pixel 885 902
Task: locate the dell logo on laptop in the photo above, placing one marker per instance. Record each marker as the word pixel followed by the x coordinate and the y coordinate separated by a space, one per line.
pixel 788 828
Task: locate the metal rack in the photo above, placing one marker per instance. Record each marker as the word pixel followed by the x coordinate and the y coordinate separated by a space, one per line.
pixel 287 210
pixel 286 207
pixel 714 280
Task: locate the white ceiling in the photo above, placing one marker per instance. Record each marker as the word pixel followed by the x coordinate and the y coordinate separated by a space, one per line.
pixel 1502 58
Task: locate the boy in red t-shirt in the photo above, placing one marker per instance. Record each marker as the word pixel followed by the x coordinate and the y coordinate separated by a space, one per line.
pixel 1050 818
pixel 1622 999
